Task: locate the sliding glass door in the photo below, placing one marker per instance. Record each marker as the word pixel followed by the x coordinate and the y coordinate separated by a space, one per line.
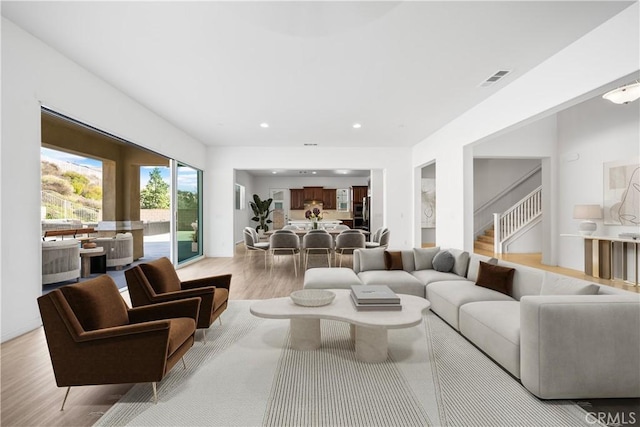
pixel 188 212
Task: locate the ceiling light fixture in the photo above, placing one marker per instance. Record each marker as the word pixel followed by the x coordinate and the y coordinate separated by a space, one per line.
pixel 625 94
pixel 357 125
pixel 274 172
pixel 264 125
pixel 310 144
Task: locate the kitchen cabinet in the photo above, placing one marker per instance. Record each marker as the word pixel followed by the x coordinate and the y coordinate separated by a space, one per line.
pixel 329 198
pixel 359 193
pixel 297 198
pixel 313 193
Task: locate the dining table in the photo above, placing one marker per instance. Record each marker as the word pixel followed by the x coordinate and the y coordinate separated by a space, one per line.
pixel 302 231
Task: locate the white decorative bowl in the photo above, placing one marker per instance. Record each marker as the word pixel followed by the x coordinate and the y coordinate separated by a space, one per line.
pixel 312 297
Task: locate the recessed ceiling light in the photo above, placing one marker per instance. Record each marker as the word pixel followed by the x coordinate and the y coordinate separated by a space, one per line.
pixel 274 172
pixel 310 144
pixel 357 125
pixel 314 172
pixel 264 125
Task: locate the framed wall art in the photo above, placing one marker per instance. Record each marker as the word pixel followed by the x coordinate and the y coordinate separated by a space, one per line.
pixel 622 192
pixel 428 214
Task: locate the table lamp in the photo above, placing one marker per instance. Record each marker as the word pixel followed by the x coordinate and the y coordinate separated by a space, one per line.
pixel 587 213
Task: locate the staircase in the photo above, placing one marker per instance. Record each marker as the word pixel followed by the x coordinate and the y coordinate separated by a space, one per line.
pixel 512 223
pixel 484 242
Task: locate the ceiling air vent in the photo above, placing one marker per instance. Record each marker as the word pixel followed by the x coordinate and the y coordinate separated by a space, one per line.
pixel 494 78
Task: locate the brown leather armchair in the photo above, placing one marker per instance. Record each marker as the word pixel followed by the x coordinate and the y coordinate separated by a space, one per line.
pixel 89 328
pixel 157 281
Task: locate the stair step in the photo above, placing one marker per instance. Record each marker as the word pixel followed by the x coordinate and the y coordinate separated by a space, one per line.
pixel 490 233
pixel 483 246
pixel 485 239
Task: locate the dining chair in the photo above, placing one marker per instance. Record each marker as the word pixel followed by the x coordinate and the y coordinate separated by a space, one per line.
pixel 253 244
pixel 317 241
pixel 341 227
pixel 379 239
pixel 285 242
pixel 347 242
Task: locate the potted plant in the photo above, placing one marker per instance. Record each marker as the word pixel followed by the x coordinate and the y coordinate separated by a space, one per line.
pixel 261 213
pixel 194 242
pixel 194 236
pixel 314 216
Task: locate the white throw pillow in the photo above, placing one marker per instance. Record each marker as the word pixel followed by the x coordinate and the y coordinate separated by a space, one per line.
pixel 461 262
pixel 567 286
pixel 423 257
pixel 372 259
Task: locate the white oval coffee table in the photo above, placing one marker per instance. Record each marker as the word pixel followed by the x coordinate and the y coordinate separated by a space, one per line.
pixel 368 328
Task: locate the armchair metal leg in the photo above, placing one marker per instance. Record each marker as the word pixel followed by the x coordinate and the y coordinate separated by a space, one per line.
pixel 204 336
pixel 65 398
pixel 155 393
pixel 220 320
pixel 184 365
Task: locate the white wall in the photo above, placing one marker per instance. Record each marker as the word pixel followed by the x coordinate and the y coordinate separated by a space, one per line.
pixel 493 176
pixel 395 175
pixel 33 74
pixel 590 134
pixel 605 55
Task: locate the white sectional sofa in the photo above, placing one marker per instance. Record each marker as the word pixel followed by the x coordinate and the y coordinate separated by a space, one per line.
pixel 564 338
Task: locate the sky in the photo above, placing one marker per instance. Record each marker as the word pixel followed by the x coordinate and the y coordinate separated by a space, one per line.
pixel 187 177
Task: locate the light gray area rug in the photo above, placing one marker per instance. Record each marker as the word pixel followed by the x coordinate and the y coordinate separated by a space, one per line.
pixel 247 376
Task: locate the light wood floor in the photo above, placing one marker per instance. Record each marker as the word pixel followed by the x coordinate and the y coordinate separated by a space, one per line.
pixel 29 394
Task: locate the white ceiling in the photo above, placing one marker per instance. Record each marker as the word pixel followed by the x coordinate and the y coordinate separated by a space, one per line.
pixel 310 69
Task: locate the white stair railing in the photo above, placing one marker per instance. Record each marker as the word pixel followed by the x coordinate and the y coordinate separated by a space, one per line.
pixel 517 217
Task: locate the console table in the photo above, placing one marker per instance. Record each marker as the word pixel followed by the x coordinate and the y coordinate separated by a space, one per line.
pixel 599 258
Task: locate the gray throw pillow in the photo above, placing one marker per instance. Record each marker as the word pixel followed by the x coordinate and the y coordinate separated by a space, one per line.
pixel 423 257
pixel 443 261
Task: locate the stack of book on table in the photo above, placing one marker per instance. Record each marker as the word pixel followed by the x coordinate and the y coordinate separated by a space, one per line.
pixel 374 297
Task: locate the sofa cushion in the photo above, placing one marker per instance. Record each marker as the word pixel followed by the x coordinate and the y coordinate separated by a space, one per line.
pixel 447 297
pixel 443 261
pixel 494 326
pixel 526 280
pixel 372 259
pixel 558 285
pixel 495 277
pixel 424 257
pixel 398 281
pixel 97 304
pixel 393 260
pixel 430 276
pixel 460 262
pixel 330 278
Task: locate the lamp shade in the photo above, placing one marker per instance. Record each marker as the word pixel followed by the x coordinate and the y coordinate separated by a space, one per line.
pixel 587 212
